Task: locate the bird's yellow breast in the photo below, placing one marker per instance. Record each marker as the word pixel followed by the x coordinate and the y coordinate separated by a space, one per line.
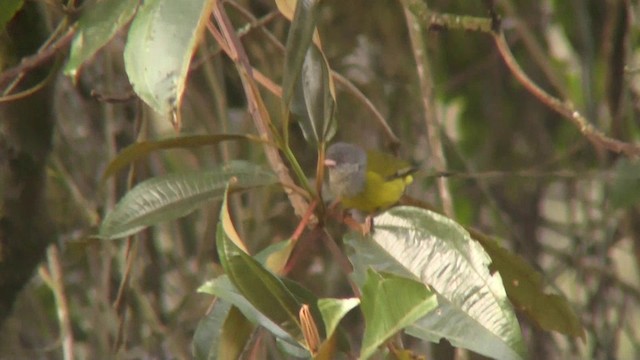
pixel 378 193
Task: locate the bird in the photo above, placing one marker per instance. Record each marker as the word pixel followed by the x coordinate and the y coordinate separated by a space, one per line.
pixel 366 181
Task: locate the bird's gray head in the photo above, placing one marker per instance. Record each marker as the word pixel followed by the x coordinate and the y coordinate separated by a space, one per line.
pixel 347 166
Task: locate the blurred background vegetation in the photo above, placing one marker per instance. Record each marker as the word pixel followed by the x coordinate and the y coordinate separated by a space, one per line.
pixel 523 173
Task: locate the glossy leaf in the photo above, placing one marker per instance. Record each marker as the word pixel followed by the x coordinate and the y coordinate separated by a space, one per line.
pixel 144 148
pixel 263 290
pixel 171 196
pixel 313 99
pixel 161 41
pixel 390 303
pixel 98 23
pixel 427 246
pixel 301 32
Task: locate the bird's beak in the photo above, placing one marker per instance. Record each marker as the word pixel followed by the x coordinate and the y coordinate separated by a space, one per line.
pixel 329 163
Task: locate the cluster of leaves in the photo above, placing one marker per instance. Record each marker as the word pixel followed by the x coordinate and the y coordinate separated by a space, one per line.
pixel 443 276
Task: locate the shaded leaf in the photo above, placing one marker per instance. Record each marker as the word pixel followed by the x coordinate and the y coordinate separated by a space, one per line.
pixel 8 8
pixel 98 23
pixel 526 290
pixel 266 292
pixel 390 303
pixel 224 289
pixel 143 148
pixel 625 189
pixel 161 41
pixel 314 99
pixel 299 38
pixel 171 196
pixel 434 249
pixel 235 335
pixel 206 338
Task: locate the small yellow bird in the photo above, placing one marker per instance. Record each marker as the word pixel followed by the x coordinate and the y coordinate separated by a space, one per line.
pixel 366 181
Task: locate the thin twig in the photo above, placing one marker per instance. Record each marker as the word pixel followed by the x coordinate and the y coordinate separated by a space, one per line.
pixel 564 108
pixel 256 106
pixel 57 286
pixel 431 120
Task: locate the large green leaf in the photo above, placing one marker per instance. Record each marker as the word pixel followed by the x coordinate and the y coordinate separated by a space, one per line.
pixel 174 195
pixel 161 41
pixel 99 22
pixel 390 303
pixel 263 290
pixel 434 249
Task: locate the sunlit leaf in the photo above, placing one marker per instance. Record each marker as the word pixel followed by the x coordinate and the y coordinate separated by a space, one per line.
pixel 390 303
pixel 333 310
pixel 434 249
pixel 161 41
pixel 287 8
pixel 144 148
pixel 98 23
pixel 171 196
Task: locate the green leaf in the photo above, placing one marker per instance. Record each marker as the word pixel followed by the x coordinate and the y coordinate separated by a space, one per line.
pixel 390 303
pixel 266 292
pixel 526 290
pixel 144 148
pixel 206 338
pixel 224 289
pixel 236 333
pixel 313 100
pixel 299 38
pixel 174 195
pixel 427 246
pixel 8 8
pixel 625 189
pixel 99 22
pixel 333 310
pixel 161 41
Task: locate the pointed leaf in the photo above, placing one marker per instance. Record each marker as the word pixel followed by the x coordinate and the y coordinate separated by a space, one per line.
pixel 434 249
pixel 526 290
pixel 144 148
pixel 299 38
pixel 162 39
pixel 390 303
pixel 266 292
pixel 174 195
pixel 333 310
pixel 98 23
